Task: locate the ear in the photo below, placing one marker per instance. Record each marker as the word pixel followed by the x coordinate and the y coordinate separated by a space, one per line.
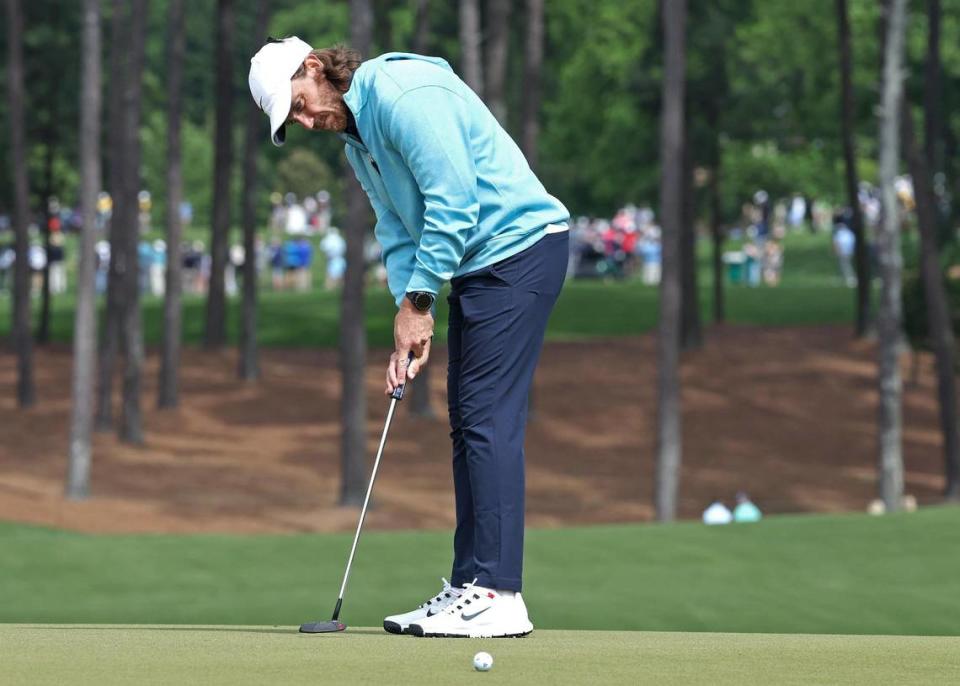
pixel 314 66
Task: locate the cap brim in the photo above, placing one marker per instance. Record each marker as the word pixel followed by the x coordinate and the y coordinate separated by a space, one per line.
pixel 279 111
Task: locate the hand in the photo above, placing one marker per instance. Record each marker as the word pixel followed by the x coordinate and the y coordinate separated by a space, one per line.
pixel 412 332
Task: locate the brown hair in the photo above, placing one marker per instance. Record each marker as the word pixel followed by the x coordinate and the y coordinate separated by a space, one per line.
pixel 339 63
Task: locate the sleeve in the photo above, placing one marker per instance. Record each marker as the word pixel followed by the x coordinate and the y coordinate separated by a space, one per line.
pixel 430 128
pixel 397 245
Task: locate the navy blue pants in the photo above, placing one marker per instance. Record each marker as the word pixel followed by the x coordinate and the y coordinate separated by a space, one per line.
pixel 498 316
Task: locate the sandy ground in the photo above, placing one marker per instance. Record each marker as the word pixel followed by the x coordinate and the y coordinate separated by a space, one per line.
pixel 788 415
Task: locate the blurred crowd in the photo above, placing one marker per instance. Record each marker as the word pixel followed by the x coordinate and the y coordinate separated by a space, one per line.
pixel 300 237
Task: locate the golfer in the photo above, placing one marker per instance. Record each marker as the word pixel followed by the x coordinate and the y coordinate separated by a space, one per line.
pixel 455 201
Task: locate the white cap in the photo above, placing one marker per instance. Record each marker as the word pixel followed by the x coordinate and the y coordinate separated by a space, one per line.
pixel 270 72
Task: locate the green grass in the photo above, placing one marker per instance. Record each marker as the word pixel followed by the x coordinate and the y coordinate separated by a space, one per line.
pixel 849 574
pixel 106 655
pixel 809 294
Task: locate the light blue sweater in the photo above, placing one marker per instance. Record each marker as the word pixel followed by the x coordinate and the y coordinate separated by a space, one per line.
pixel 451 190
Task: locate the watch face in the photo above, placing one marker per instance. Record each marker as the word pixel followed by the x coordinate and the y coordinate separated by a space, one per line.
pixel 424 301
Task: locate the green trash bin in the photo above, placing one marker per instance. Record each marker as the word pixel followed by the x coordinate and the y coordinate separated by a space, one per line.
pixel 736 262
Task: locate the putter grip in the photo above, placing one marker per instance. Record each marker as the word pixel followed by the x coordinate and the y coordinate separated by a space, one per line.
pixel 398 391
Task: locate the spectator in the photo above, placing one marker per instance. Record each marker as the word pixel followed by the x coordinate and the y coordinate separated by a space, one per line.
pixel 158 267
pixel 7 258
pixel 650 255
pixel 335 249
pixel 276 264
pixel 772 263
pixel 296 216
pixel 844 244
pixel 102 250
pixel 303 274
pixel 235 259
pixel 58 268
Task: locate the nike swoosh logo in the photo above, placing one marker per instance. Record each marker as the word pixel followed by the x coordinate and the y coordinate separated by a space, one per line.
pixel 431 613
pixel 467 618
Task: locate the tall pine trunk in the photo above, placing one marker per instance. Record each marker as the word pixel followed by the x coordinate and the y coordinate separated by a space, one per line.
pixel 861 256
pixel 353 335
pixel 131 325
pixel 933 91
pixel 215 334
pixel 498 45
pixel 248 368
pixel 421 28
pixel 85 318
pixel 168 387
pixel 939 326
pixel 889 316
pixel 110 339
pixel 532 79
pixel 671 212
pixel 50 144
pixel 471 62
pixel 20 326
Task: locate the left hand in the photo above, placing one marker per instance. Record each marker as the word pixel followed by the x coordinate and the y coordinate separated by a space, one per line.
pixel 412 331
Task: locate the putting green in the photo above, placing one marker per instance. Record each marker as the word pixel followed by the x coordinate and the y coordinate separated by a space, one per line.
pixel 117 654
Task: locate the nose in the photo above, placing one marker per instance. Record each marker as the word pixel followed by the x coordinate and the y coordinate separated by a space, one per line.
pixel 303 120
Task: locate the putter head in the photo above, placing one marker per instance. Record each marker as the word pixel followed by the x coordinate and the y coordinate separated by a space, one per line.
pixel 328 627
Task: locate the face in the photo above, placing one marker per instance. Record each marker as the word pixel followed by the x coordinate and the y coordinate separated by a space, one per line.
pixel 316 104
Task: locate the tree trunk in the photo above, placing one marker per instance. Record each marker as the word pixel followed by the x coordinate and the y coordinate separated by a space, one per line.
pixel 131 331
pixel 85 319
pixel 532 70
pixel 50 143
pixel 498 44
pixel 20 326
pixel 862 261
pixel 353 335
pixel 110 341
pixel 168 387
pixel 421 28
pixel 891 265
pixel 933 92
pixel 530 112
pixel 671 212
pixel 939 326
pixel 470 59
pixel 215 334
pixel 691 330
pixel 248 368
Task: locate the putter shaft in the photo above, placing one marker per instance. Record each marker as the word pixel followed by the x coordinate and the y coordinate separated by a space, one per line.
pixel 366 501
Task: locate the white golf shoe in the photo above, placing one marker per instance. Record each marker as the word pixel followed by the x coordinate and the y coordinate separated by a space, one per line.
pixel 397 624
pixel 478 613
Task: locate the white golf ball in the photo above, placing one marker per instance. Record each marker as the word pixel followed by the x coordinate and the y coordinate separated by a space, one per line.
pixel 482 661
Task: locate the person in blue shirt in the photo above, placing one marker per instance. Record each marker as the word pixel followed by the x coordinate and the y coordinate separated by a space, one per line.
pixel 456 202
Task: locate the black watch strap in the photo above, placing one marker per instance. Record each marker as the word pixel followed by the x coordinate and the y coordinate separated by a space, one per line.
pixel 422 300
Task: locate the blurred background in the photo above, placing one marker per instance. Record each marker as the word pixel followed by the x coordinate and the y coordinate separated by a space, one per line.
pixel 759 318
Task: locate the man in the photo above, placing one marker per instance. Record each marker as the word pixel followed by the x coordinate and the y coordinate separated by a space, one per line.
pixel 844 244
pixel 455 201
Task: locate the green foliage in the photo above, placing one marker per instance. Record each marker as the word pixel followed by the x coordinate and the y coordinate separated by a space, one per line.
pixel 768 68
pixel 303 172
pixel 600 130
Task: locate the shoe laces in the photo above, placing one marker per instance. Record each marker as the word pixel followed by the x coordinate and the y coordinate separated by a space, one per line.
pixel 446 593
pixel 467 596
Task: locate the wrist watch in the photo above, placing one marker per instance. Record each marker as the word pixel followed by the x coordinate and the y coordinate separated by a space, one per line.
pixel 422 300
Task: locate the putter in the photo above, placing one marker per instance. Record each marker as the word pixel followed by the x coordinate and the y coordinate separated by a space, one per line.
pixel 335 624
